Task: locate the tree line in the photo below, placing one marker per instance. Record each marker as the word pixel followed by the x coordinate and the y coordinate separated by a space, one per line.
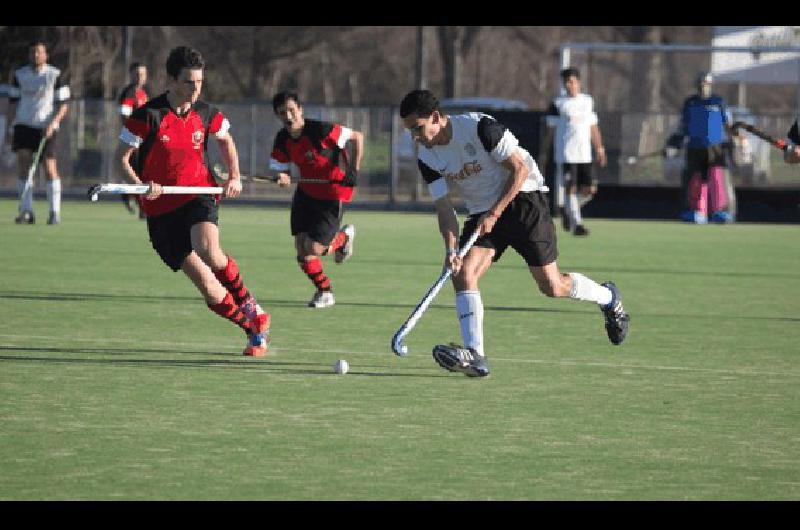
pixel 377 65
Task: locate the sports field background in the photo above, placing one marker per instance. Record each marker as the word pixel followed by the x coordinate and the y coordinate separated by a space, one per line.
pixel 116 382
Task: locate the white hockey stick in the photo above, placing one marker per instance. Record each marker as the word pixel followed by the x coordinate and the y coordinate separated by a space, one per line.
pixel 141 189
pixel 398 347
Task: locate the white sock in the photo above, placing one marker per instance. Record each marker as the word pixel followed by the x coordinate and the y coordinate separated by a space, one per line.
pixel 469 308
pixel 588 290
pixel 25 190
pixel 54 195
pixel 574 209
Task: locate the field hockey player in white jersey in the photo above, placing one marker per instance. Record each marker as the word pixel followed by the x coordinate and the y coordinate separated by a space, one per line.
pixel 37 104
pixel 504 194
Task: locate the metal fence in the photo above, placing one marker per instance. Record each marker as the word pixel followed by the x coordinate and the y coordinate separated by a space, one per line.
pixel 89 148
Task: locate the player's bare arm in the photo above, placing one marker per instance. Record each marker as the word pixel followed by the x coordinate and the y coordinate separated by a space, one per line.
pixel 519 172
pixel 12 114
pixel 597 142
pixel 357 141
pixel 55 123
pixel 448 227
pixel 227 148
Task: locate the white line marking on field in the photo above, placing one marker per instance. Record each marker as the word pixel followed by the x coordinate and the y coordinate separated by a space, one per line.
pixel 229 346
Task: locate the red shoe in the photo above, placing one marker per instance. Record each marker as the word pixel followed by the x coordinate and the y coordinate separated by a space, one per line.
pixel 258 339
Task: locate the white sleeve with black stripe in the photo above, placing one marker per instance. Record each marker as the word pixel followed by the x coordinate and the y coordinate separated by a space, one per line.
pixel 496 139
pixel 437 184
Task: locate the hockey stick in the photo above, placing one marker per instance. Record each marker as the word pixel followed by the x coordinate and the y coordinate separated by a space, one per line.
pixel 783 145
pixel 141 189
pixel 634 159
pixel 398 347
pixel 220 171
pixel 34 166
pixel 36 157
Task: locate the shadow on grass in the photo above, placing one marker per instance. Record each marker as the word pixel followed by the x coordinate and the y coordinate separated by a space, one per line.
pixel 272 302
pixel 268 365
pixel 266 302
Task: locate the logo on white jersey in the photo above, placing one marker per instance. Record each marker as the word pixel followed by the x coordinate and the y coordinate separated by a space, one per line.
pixel 470 168
pixel 470 149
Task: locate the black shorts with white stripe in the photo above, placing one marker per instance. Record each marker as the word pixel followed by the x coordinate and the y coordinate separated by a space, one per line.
pixel 525 226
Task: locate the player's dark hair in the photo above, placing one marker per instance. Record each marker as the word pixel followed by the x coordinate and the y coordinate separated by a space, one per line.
pixel 183 57
pixel 282 97
pixel 134 66
pixel 566 73
pixel 36 43
pixel 419 102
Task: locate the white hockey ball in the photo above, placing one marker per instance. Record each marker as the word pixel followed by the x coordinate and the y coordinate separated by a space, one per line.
pixel 341 367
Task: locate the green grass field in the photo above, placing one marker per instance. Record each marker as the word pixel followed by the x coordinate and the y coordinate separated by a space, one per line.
pixel 116 382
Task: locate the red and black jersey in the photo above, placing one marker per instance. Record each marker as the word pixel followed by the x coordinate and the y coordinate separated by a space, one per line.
pixel 317 154
pixel 130 99
pixel 172 148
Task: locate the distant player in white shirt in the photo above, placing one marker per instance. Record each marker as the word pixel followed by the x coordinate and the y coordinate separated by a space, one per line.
pixel 576 131
pixel 504 194
pixel 37 104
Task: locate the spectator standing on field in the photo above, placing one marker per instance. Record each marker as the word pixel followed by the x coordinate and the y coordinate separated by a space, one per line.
pixel 170 132
pixel 504 194
pixel 576 132
pixel 319 150
pixel 37 105
pixel 133 96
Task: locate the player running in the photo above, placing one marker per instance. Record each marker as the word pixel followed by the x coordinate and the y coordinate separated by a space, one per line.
pixel 504 194
pixel 170 132
pixel 319 150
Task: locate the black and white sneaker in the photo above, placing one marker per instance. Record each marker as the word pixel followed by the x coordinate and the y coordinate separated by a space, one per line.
pixel 616 317
pixel 455 358
pixel 25 218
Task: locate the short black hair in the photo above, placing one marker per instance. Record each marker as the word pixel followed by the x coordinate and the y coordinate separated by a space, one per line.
pixel 419 102
pixel 282 97
pixel 134 66
pixel 38 42
pixel 183 57
pixel 566 73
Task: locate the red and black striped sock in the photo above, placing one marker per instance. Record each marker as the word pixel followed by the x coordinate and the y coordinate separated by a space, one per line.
pixel 229 309
pixel 230 278
pixel 313 269
pixel 338 242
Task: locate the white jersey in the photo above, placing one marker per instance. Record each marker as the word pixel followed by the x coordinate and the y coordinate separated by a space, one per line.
pixel 573 119
pixel 472 162
pixel 37 93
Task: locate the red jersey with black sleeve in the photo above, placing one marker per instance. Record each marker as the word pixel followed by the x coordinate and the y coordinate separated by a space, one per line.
pixel 172 148
pixel 316 152
pixel 130 99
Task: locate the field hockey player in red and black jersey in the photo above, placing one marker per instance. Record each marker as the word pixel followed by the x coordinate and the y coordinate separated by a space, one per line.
pixel 327 180
pixel 131 98
pixel 170 133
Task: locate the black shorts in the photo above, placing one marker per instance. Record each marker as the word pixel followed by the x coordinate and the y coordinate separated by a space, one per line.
pixel 319 218
pixel 701 159
pixel 580 174
pixel 29 137
pixel 170 233
pixel 525 225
